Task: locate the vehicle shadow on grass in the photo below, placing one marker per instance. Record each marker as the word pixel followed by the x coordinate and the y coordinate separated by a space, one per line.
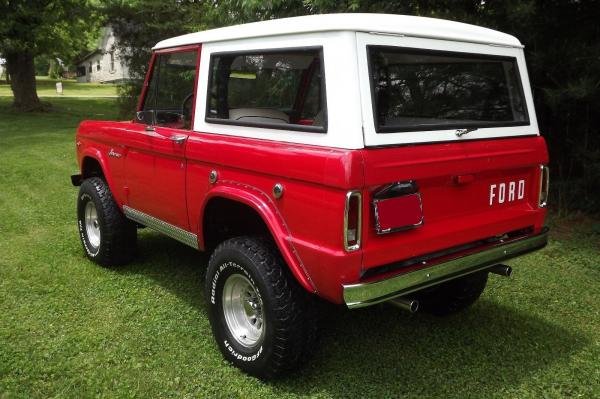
pixel 382 351
pixel 176 267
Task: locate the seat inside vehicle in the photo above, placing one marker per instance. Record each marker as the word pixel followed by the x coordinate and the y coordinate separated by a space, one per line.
pixel 258 115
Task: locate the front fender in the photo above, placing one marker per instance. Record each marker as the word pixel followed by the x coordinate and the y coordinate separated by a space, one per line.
pixel 262 204
pixel 97 155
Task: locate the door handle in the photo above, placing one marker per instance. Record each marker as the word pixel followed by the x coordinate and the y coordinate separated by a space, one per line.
pixel 178 138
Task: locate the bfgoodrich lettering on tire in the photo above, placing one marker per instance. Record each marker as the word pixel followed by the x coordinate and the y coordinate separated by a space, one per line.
pixel 259 314
pixel 108 238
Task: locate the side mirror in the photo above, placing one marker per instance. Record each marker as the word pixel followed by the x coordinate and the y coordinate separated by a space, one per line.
pixel 146 117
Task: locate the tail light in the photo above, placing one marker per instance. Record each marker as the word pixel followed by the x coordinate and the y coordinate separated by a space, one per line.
pixel 544 186
pixel 397 207
pixel 352 221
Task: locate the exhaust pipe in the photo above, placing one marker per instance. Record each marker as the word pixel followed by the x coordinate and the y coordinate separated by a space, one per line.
pixel 410 305
pixel 502 270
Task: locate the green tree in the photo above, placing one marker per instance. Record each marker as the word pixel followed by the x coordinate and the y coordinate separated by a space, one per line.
pixel 140 24
pixel 562 48
pixel 30 28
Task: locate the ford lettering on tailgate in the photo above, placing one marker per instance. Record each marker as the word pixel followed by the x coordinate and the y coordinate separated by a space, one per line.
pixel 507 192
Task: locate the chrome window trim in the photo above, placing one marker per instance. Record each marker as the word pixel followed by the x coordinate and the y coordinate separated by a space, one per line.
pixel 382 129
pixel 277 126
pixel 161 226
pixel 349 195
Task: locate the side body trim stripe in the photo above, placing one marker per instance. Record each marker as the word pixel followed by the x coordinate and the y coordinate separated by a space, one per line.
pixel 161 226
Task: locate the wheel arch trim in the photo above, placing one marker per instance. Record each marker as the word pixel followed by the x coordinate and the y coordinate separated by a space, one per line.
pixel 266 210
pixel 96 155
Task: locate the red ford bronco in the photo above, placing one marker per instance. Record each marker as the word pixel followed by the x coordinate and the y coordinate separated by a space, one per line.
pixel 358 158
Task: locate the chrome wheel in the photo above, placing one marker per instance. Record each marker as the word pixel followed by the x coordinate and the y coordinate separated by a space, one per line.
pixel 243 310
pixel 92 224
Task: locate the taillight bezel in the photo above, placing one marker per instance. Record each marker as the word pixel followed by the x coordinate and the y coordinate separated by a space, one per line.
pixel 544 187
pixel 348 246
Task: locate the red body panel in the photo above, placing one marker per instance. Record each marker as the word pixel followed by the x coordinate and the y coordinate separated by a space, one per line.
pixel 315 182
pixel 145 169
pixel 157 177
pixel 307 222
pixel 455 211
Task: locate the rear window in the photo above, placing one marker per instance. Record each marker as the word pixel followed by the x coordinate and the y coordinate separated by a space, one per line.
pixel 433 90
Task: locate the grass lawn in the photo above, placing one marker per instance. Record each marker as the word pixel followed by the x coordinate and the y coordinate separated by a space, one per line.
pixel 69 328
pixel 46 87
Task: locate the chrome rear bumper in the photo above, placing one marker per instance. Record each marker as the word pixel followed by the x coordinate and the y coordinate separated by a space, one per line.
pixel 370 293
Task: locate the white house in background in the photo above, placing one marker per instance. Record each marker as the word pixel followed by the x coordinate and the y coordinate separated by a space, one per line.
pixel 104 64
pixel 2 68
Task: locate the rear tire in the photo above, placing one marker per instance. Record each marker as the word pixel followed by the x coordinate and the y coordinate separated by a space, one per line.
pixel 107 236
pixel 453 296
pixel 261 318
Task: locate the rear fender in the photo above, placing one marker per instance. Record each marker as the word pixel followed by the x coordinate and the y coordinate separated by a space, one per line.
pixel 264 207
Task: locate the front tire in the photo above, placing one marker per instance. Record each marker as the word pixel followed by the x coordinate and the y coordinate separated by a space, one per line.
pixel 107 236
pixel 259 315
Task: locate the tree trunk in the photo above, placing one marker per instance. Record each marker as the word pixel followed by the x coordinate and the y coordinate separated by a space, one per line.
pixel 21 69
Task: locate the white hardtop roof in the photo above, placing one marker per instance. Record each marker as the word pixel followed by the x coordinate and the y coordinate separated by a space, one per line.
pixel 376 23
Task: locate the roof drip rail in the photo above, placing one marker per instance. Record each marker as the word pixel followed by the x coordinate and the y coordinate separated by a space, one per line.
pixel 505 45
pixel 387 34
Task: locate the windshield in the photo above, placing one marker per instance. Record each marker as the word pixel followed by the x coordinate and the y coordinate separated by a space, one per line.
pixel 433 90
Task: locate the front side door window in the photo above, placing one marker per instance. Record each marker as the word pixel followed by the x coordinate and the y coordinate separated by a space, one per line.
pixel 170 94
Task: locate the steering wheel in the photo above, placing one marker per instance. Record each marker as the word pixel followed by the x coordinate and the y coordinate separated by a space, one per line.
pixel 184 105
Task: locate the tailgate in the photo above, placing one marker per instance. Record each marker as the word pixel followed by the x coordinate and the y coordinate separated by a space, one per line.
pixel 468 191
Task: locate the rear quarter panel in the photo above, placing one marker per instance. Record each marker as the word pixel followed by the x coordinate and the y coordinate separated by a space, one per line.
pixel 315 181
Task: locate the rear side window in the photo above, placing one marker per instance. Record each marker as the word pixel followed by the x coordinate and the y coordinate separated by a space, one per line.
pixel 433 90
pixel 280 89
pixel 170 93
